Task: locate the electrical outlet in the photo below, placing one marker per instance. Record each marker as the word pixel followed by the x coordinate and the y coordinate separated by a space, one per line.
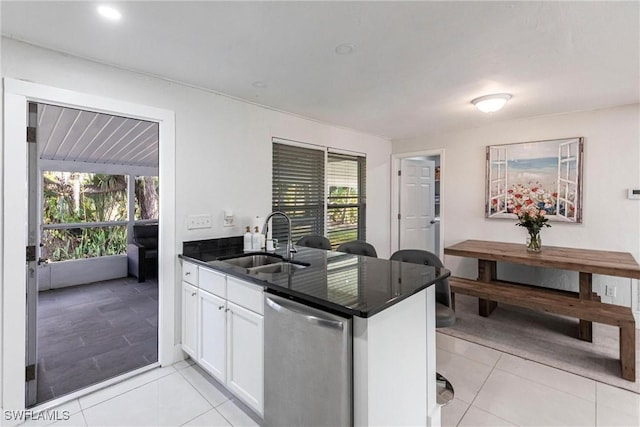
pixel 199 221
pixel 610 291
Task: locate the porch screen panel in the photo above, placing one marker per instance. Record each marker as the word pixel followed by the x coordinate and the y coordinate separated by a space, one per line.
pixel 298 190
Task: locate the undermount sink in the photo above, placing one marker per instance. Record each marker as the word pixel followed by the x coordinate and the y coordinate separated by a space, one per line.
pixel 280 267
pixel 265 263
pixel 251 261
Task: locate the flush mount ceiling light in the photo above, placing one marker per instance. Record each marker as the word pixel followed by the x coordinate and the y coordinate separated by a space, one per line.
pixel 491 103
pixel 109 13
pixel 345 48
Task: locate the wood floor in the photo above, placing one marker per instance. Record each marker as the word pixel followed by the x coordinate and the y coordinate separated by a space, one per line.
pixel 93 332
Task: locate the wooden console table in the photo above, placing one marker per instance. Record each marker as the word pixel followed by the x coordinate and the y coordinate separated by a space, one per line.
pixel 582 305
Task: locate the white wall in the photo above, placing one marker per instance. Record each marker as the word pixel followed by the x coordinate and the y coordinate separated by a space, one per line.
pixel 223 153
pixel 223 146
pixel 611 166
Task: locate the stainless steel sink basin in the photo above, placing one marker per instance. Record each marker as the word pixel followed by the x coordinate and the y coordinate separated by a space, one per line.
pixel 251 261
pixel 265 263
pixel 281 267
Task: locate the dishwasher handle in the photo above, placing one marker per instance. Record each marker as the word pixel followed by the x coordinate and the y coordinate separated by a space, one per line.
pixel 283 306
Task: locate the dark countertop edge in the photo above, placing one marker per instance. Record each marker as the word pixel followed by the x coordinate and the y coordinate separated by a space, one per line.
pixel 304 298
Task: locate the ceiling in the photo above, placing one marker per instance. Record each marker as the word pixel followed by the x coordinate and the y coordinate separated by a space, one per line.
pixel 414 69
pixel 70 135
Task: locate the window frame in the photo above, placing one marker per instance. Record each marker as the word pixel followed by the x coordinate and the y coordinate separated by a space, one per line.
pixel 361 204
pixel 322 227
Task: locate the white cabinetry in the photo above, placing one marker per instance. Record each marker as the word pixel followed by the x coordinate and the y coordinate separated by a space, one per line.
pixel 245 350
pixel 190 309
pixel 223 331
pixel 189 319
pixel 212 321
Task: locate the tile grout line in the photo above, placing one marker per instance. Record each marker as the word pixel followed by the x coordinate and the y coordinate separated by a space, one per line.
pixel 493 368
pixel 196 389
pixel 468 358
pixel 207 400
pixel 199 415
pixel 84 417
pixel 124 392
pixel 546 384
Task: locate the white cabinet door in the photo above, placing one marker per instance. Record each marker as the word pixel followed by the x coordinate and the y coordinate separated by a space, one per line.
pixel 190 319
pixel 245 356
pixel 213 343
pixel 190 273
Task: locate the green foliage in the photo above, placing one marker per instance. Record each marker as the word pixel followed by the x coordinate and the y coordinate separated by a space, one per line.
pixel 533 220
pixel 82 198
pixel 341 196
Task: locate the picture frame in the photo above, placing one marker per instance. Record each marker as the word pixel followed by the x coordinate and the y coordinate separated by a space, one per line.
pixel 547 173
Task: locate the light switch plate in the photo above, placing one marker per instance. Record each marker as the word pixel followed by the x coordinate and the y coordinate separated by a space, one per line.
pixel 199 221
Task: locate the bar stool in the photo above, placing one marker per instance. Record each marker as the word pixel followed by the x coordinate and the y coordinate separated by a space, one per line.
pixel 358 247
pixel 445 316
pixel 315 241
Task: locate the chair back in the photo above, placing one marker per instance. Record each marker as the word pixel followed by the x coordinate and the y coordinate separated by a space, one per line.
pixel 315 241
pixel 358 247
pixel 146 235
pixel 417 256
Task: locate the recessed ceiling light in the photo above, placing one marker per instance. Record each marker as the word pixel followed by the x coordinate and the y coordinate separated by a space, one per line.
pixel 259 84
pixel 491 103
pixel 109 13
pixel 345 48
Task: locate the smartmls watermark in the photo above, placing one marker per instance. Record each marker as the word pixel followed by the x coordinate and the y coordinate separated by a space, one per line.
pixel 26 415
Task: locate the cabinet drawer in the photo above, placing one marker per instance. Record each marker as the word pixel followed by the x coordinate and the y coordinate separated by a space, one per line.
pixel 214 282
pixel 190 272
pixel 245 294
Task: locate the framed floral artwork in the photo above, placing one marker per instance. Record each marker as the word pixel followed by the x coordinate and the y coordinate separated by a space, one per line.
pixel 547 174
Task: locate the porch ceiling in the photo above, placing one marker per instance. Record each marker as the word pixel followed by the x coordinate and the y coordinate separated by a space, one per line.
pixel 70 135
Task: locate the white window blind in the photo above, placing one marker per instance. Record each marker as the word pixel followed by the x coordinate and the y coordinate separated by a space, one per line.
pixel 298 190
pixel 346 201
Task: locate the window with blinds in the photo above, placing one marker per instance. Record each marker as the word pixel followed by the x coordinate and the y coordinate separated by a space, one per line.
pixel 298 190
pixel 346 201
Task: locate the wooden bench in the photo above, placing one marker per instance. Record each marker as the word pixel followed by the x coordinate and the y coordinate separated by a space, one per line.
pixel 562 303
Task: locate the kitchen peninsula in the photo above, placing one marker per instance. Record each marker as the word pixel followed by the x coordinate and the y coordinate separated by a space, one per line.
pixel 391 334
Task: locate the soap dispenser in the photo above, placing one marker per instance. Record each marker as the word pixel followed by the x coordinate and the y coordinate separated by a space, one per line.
pixel 246 243
pixel 256 239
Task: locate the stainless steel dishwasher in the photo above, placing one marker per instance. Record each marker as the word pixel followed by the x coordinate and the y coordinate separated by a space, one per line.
pixel 307 364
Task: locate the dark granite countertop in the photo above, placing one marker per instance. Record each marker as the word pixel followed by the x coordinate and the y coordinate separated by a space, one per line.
pixel 342 283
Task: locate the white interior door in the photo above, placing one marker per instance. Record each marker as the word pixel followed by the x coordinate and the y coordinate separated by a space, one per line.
pixel 417 205
pixel 33 259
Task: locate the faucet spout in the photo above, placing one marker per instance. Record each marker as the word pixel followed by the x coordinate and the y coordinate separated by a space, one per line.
pixel 290 247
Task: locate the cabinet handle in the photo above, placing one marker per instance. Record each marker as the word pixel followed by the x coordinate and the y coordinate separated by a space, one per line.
pixel 221 307
pixel 193 294
pixel 226 310
pixel 187 273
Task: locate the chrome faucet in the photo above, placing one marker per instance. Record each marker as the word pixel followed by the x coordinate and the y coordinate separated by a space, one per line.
pixel 290 248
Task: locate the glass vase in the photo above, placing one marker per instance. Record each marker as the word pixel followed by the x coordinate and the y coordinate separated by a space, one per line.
pixel 534 242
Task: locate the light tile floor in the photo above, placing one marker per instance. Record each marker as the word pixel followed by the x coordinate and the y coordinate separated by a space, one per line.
pixel 492 389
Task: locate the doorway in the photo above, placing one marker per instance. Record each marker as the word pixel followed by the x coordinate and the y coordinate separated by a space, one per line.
pixel 93 177
pixel 416 201
pixel 13 233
